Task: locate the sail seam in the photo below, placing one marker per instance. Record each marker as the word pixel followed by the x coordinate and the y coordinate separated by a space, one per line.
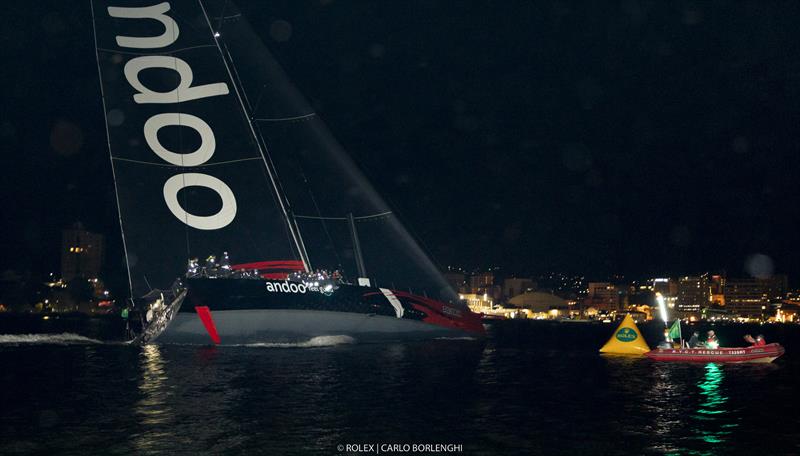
pixel 115 51
pixel 363 217
pixel 193 167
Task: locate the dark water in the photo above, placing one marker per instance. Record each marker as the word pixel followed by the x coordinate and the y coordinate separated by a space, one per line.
pixel 530 388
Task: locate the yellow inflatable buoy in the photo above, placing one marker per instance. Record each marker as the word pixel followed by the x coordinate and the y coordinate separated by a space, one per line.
pixel 627 340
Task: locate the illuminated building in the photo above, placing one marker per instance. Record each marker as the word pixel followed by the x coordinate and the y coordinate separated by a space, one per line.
pixel 645 313
pixel 716 286
pixel 81 253
pixel 693 294
pixel 541 305
pixel 478 303
pixel 603 296
pixel 752 297
pixel 515 286
pixel 787 312
pixel 481 282
pixel 667 287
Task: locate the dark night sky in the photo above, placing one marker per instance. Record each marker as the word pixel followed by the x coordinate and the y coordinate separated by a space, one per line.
pixel 633 137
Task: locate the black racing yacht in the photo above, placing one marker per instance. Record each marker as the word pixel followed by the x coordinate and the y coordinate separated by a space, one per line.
pixel 213 150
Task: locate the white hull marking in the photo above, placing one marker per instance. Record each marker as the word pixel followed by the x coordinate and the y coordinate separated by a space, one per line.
pixel 398 307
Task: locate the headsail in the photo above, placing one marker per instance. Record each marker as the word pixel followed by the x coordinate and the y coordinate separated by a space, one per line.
pixel 190 176
pixel 331 200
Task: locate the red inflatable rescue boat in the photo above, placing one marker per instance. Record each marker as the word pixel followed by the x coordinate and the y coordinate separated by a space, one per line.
pixel 755 354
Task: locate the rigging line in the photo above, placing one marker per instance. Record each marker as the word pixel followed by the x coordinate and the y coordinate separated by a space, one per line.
pixel 230 57
pixel 236 73
pixel 362 217
pixel 297 242
pixel 108 141
pixel 222 18
pixel 169 53
pixel 274 195
pixel 292 221
pixel 322 221
pixel 273 170
pixel 284 119
pixel 202 165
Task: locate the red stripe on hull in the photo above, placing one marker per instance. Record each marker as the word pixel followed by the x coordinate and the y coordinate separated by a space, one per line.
pixel 440 314
pixel 275 275
pixel 292 265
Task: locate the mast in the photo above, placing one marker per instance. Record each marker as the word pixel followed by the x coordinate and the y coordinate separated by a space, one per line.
pixel 362 271
pixel 283 203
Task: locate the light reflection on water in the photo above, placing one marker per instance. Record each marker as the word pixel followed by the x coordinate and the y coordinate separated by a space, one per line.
pixel 154 410
pixel 712 425
pixel 523 391
pixel 666 405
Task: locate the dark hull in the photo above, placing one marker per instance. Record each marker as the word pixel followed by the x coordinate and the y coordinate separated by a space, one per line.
pixel 248 311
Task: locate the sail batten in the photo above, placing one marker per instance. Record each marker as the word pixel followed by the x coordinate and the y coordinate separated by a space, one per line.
pixel 169 53
pixel 287 119
pixel 186 167
pixel 356 218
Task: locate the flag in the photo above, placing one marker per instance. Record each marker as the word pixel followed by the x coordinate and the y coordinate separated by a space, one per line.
pixel 675 330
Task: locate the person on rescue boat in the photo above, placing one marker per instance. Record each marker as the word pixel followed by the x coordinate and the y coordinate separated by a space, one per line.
pixel 711 340
pixel 757 342
pixel 694 341
pixel 667 343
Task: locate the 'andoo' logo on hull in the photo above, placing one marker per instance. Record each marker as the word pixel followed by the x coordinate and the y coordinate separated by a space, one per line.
pixel 286 287
pixel 182 93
